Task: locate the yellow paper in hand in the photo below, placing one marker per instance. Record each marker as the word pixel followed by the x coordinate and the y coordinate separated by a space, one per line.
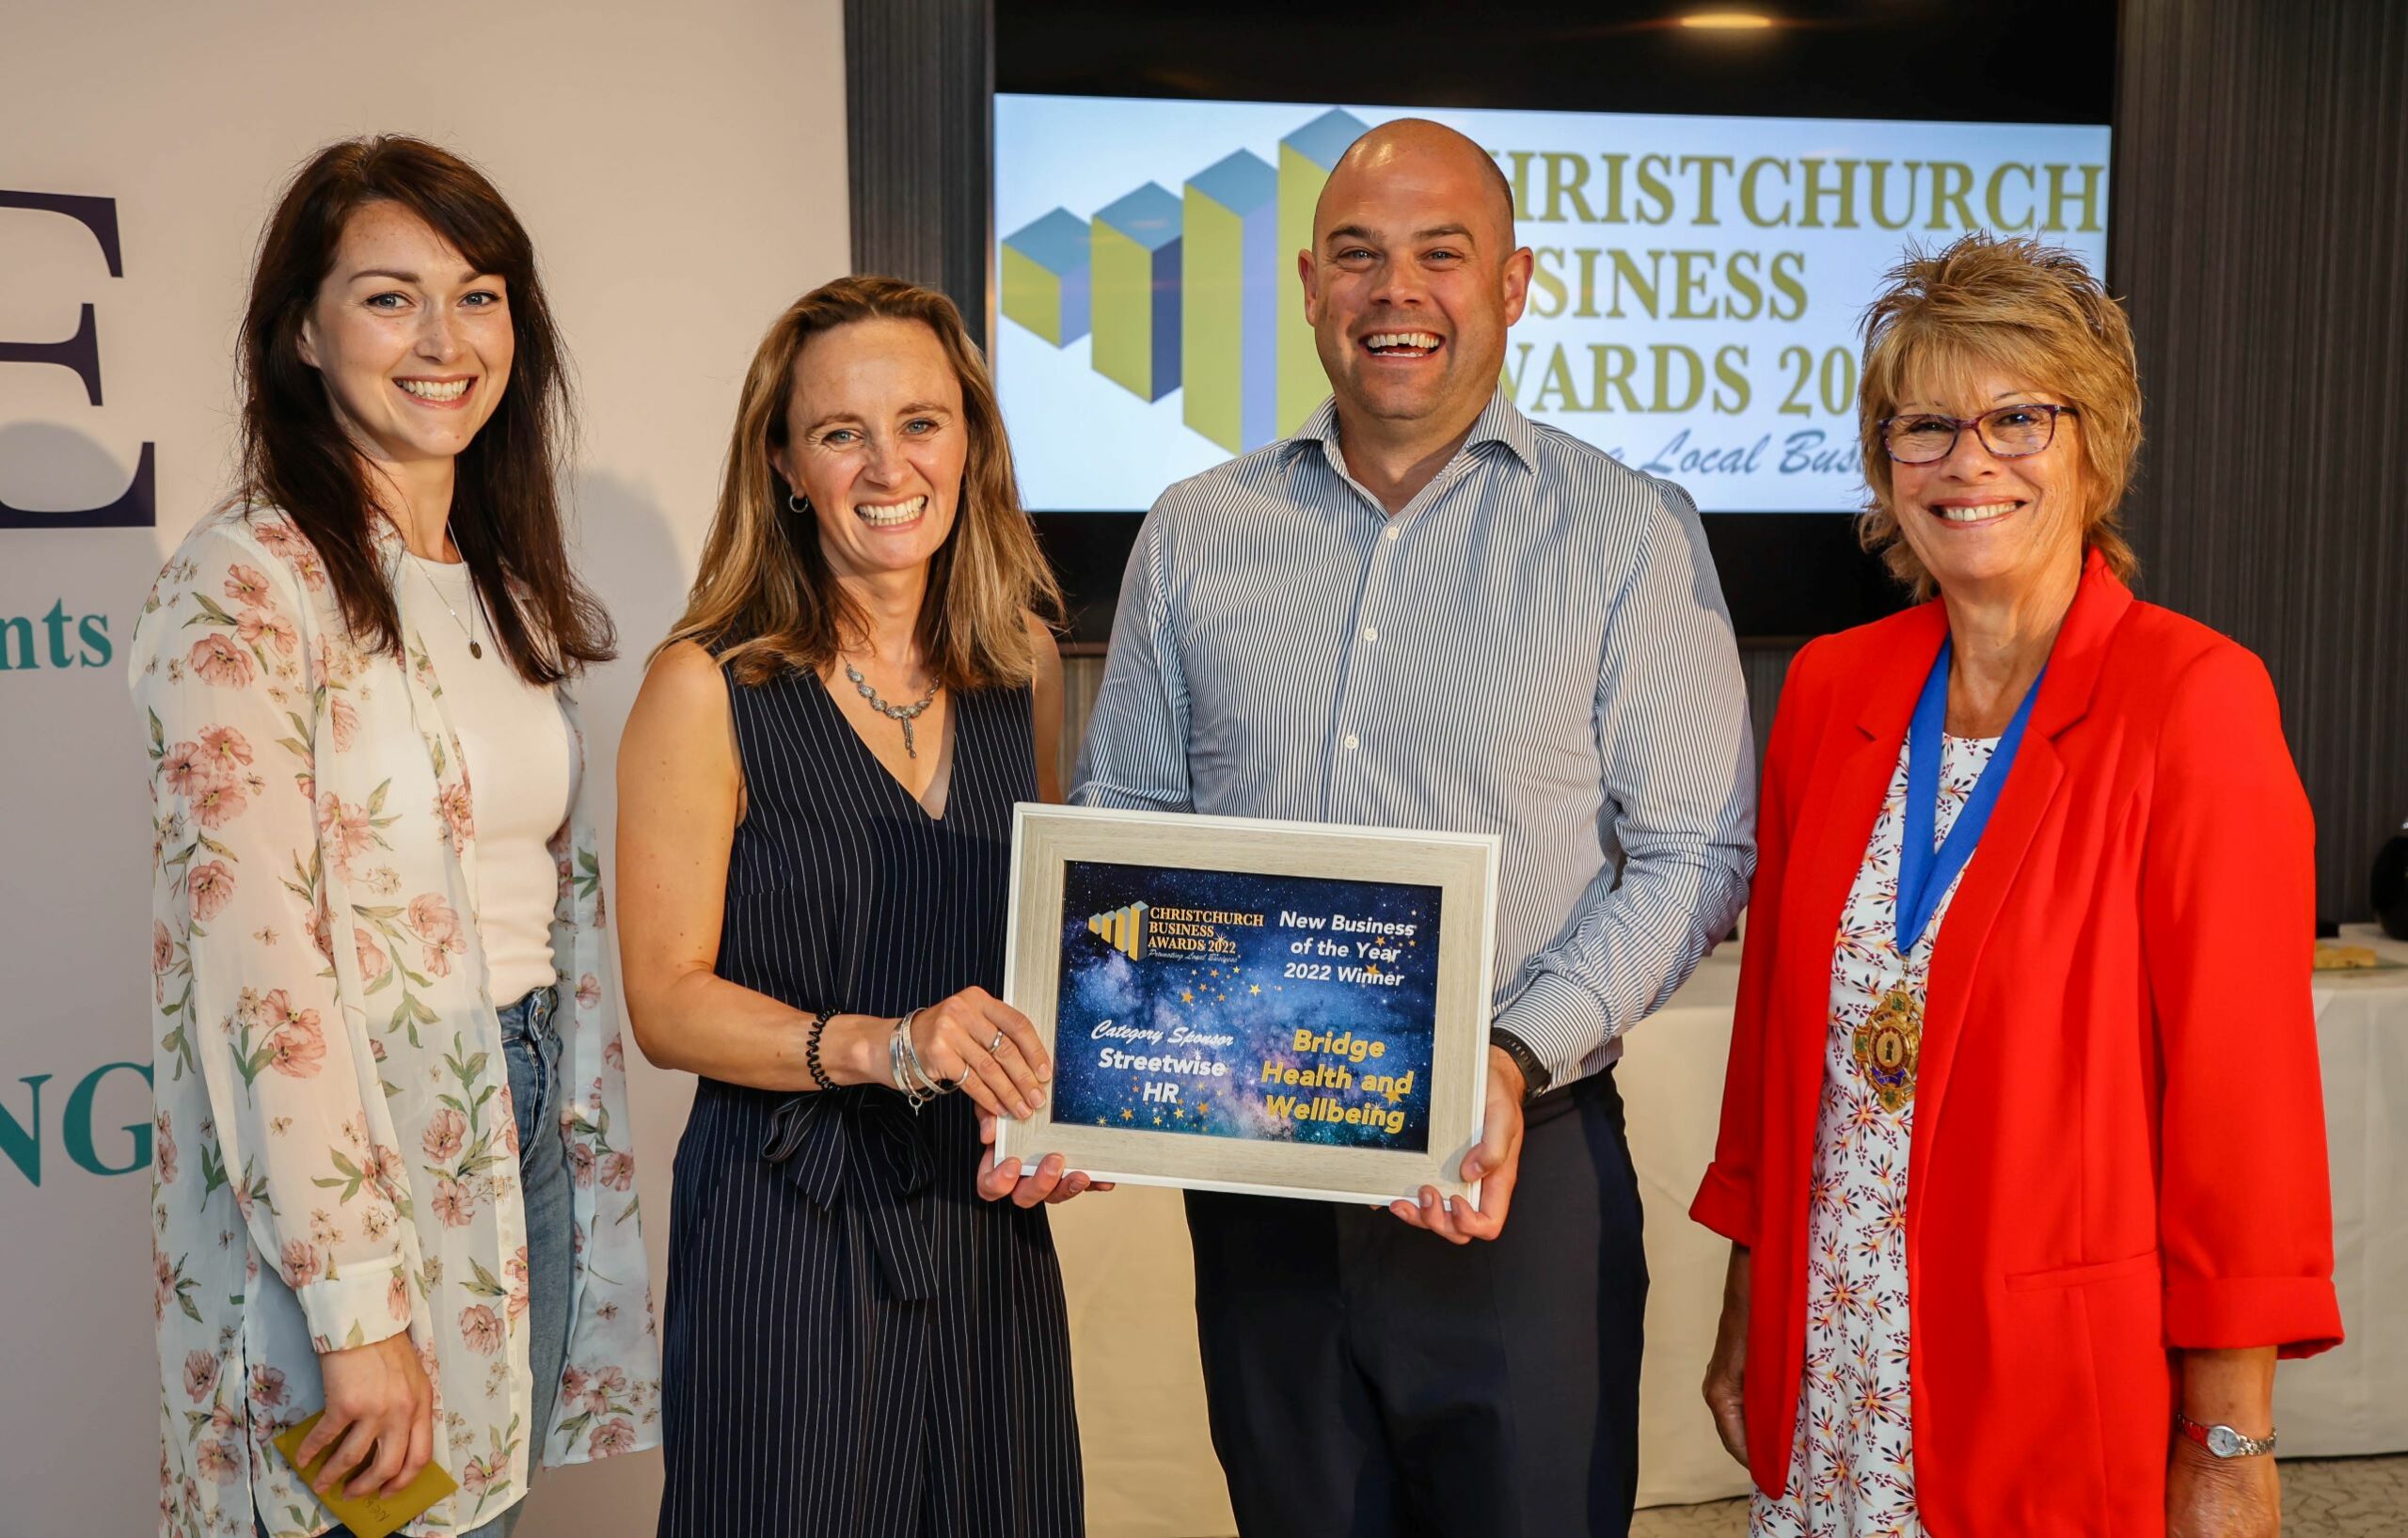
pixel 369 1515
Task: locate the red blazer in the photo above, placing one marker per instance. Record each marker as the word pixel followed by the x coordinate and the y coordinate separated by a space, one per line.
pixel 2119 1131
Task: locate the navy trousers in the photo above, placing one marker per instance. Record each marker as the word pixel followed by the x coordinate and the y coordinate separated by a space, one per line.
pixel 1366 1379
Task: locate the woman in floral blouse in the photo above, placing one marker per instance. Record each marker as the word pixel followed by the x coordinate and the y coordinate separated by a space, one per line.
pixel 393 1177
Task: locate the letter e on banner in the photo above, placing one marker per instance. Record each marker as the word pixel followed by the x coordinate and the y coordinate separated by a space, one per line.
pixel 138 506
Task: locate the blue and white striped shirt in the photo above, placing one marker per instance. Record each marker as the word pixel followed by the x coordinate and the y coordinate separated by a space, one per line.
pixel 1535 646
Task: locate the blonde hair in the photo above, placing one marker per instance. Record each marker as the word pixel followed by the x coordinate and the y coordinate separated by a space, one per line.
pixel 765 599
pixel 2023 308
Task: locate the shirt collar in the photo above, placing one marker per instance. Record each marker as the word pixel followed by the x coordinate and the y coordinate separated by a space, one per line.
pixel 1499 422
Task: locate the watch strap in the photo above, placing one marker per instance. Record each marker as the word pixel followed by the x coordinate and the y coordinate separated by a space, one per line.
pixel 1535 1078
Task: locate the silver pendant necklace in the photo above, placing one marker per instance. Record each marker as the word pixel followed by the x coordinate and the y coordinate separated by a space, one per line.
pixel 903 714
pixel 474 650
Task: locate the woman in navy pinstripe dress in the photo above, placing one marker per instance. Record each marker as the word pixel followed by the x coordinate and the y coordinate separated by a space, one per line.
pixel 865 1330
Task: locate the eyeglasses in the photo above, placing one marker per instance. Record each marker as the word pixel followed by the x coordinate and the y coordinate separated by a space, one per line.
pixel 2011 432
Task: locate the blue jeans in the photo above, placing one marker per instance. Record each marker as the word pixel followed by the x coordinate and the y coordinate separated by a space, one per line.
pixel 531 1050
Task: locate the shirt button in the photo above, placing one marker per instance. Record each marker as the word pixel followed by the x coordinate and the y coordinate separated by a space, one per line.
pixel 1351 743
pixel 1371 632
pixel 1392 534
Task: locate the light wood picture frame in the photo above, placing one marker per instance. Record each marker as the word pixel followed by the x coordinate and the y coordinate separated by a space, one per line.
pixel 1339 976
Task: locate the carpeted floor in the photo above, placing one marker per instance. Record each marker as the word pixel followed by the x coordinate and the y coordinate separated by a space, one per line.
pixel 2322 1497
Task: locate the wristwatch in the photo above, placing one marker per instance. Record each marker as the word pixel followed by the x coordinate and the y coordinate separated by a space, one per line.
pixel 2223 1441
pixel 1535 1077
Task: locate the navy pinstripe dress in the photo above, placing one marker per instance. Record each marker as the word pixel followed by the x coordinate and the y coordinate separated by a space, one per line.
pixel 857 1344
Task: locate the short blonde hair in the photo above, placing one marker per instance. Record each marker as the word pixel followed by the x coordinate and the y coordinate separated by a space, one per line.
pixel 764 600
pixel 2018 305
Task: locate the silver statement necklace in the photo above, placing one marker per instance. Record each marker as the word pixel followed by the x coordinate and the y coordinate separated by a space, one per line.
pixel 903 714
pixel 466 629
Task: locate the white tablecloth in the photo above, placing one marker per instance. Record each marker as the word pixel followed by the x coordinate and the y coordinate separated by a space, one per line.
pixel 1126 1264
pixel 1671 1079
pixel 2355 1399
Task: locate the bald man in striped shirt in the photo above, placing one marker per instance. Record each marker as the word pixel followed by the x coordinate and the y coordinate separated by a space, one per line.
pixel 1424 611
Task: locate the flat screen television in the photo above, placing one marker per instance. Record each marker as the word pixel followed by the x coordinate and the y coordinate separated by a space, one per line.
pixel 1711 207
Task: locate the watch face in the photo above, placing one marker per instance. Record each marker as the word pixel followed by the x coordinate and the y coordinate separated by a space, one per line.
pixel 2224 1441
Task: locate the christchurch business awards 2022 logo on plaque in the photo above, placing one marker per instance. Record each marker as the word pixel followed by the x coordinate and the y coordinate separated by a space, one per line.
pixel 1286 1009
pixel 1234 1005
pixel 1123 930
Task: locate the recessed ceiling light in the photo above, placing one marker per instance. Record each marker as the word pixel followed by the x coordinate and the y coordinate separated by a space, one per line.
pixel 1728 21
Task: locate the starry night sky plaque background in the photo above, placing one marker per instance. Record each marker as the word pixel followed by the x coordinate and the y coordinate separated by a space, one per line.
pixel 1138 1036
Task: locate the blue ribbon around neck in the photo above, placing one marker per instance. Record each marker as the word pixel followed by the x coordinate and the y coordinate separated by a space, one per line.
pixel 1925 873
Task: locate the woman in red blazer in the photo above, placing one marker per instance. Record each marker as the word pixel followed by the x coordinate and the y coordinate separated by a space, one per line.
pixel 2022 1147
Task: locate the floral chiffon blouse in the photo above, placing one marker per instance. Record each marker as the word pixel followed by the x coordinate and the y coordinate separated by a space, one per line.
pixel 336 1153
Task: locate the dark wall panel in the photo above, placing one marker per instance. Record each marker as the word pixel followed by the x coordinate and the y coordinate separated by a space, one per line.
pixel 919 77
pixel 2260 239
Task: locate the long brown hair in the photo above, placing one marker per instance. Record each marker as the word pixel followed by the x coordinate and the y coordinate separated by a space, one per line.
pixel 2027 309
pixel 505 501
pixel 765 599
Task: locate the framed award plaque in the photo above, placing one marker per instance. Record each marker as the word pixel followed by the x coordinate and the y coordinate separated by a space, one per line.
pixel 1281 1009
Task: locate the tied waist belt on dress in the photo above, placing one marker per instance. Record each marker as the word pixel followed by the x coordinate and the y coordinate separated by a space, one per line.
pixel 815 1137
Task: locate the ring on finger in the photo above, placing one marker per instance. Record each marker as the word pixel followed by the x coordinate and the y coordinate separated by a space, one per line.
pixel 996 1045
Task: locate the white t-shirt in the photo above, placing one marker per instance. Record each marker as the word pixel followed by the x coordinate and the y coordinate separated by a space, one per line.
pixel 522 773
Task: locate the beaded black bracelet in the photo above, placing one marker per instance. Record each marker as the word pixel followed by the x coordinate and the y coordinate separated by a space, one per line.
pixel 811 1052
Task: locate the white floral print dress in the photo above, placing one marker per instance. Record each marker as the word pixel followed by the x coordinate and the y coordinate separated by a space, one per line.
pixel 336 1157
pixel 1851 1465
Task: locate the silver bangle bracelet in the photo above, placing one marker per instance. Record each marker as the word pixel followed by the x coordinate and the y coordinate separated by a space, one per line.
pixel 911 1080
pixel 894 1067
pixel 936 1085
pixel 923 1085
pixel 895 1071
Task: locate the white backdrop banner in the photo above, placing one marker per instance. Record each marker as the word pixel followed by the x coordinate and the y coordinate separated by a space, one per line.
pixel 141 146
